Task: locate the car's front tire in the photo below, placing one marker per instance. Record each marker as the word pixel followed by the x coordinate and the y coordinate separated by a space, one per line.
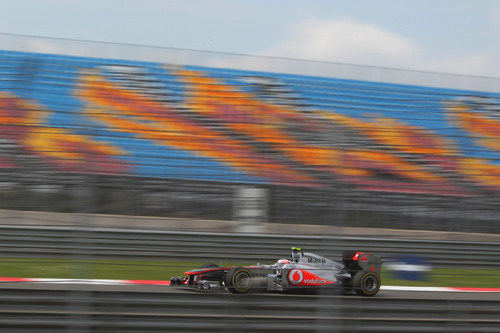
pixel 238 280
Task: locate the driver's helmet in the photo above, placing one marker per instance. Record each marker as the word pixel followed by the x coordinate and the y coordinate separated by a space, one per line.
pixel 283 262
pixel 296 253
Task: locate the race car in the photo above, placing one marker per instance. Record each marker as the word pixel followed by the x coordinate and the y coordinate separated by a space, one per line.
pixel 303 271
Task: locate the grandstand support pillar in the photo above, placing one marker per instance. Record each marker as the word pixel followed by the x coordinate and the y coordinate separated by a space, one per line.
pixel 250 209
pixel 80 300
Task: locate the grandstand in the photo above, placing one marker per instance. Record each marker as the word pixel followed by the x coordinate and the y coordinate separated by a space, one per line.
pixel 179 139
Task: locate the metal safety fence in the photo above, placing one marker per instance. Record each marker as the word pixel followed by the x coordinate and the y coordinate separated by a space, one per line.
pixel 132 244
pixel 63 310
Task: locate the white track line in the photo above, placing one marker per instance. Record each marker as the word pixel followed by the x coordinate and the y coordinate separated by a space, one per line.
pixel 441 289
pixel 166 283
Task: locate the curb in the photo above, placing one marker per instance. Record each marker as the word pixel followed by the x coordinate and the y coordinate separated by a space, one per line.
pixel 86 281
pixel 441 289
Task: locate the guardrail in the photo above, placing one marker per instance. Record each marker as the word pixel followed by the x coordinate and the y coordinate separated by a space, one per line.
pixel 109 311
pixel 63 242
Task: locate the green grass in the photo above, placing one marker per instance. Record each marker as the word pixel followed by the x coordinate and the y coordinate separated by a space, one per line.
pixel 163 270
pixel 451 277
pixel 97 269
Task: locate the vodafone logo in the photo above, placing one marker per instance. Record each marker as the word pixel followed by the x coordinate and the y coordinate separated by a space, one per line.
pixel 295 276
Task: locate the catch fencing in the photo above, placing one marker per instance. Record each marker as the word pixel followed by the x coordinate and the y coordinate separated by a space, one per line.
pixel 27 310
pixel 132 244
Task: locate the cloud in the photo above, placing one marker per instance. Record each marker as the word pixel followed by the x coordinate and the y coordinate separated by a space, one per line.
pixel 337 41
pixel 345 41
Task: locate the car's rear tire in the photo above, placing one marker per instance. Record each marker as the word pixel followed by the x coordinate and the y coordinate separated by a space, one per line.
pixel 238 280
pixel 366 283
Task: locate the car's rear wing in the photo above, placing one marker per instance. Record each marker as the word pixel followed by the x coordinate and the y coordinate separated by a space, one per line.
pixel 358 260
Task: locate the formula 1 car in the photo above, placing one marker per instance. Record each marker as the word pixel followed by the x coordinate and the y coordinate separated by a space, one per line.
pixel 303 271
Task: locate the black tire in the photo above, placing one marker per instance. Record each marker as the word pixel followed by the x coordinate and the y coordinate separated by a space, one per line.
pixel 366 283
pixel 238 280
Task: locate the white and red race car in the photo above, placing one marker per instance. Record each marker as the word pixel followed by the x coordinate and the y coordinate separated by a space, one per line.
pixel 359 272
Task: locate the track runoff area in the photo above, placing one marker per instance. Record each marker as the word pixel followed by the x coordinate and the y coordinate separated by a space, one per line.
pixel 163 286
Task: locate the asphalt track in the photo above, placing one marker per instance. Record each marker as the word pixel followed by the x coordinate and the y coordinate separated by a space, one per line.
pixel 386 294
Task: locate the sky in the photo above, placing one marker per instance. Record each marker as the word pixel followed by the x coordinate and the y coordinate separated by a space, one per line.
pixel 451 36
